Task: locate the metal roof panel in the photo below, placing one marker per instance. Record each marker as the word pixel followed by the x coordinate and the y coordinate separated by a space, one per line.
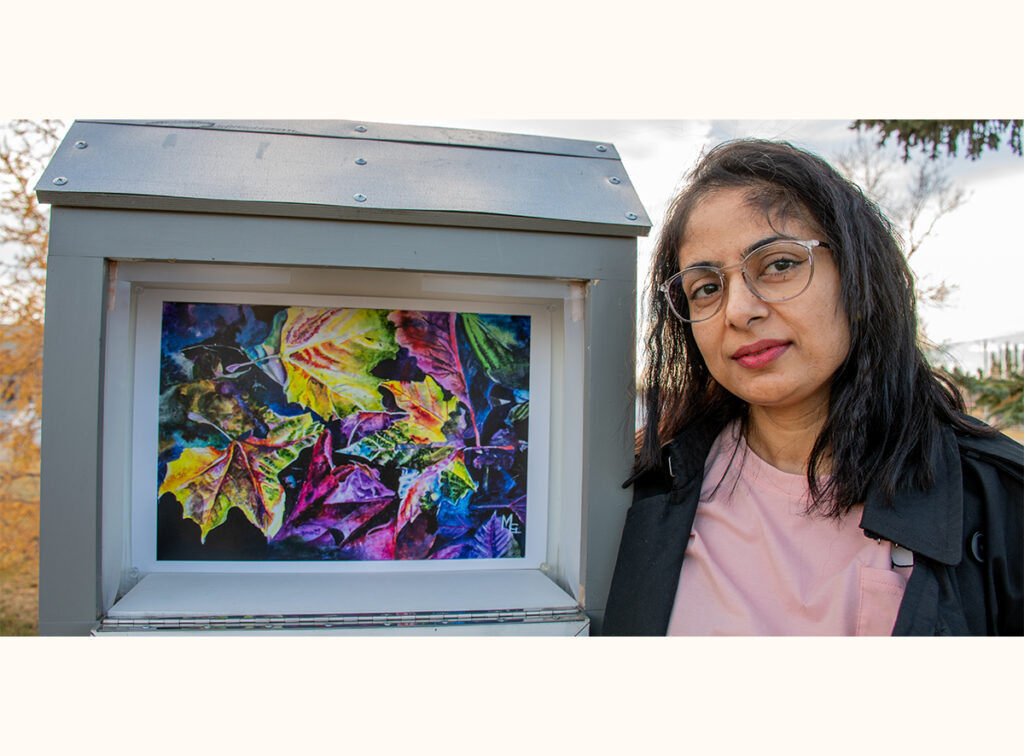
pixel 319 169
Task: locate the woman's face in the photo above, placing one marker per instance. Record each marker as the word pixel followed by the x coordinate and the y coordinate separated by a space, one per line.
pixel 774 355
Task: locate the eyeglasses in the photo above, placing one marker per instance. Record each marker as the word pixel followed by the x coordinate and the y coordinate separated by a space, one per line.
pixel 775 272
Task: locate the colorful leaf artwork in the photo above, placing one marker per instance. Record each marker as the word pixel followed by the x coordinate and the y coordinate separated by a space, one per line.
pixel 209 480
pixel 346 434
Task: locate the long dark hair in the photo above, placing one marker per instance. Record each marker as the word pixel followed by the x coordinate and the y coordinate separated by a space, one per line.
pixel 886 404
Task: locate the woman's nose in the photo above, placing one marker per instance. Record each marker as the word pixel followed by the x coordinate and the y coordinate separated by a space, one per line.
pixel 741 304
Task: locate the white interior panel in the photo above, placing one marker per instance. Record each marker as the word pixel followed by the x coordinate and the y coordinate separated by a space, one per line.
pixel 238 594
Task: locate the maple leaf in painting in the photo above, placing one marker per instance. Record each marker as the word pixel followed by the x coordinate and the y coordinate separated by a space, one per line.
pixel 209 481
pixel 334 502
pixel 431 339
pixel 324 357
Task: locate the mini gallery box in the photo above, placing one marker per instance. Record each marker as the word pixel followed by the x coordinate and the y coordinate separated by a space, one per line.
pixel 334 377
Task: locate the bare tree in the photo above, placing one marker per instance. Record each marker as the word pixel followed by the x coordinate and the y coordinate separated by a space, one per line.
pixel 913 202
pixel 930 196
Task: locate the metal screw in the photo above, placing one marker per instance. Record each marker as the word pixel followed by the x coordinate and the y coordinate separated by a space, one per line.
pixel 360 198
pixel 60 181
pixel 80 145
pixel 632 216
pixel 615 180
pixel 360 161
pixel 602 148
pixel 360 129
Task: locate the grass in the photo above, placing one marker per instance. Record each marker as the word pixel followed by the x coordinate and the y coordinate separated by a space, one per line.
pixel 19 599
pixel 19 567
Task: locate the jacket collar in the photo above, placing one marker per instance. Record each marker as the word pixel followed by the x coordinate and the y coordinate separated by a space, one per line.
pixel 928 522
pixel 682 458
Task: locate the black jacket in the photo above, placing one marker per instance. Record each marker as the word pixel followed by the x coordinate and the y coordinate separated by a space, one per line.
pixel 965 531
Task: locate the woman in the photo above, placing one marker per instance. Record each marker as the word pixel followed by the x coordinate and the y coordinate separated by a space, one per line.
pixel 817 475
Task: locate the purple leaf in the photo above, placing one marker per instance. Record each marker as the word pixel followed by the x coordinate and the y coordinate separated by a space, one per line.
pixel 493 540
pixel 361 424
pixel 518 507
pixel 356 483
pixel 375 544
pixel 334 503
pixel 498 457
pixel 456 550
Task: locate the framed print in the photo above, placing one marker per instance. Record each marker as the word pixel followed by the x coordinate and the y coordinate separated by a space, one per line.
pixel 352 433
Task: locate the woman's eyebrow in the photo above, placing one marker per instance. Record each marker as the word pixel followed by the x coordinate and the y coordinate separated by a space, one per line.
pixel 750 248
pixel 767 240
pixel 702 264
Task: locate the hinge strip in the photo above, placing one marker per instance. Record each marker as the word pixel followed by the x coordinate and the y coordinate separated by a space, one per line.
pixel 339 621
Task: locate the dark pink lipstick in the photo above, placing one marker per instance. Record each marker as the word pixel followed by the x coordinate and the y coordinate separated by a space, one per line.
pixel 760 353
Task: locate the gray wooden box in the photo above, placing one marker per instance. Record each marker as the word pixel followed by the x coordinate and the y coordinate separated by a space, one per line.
pixel 327 208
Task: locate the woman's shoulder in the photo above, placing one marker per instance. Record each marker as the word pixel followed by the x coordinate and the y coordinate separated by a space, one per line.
pixel 995 448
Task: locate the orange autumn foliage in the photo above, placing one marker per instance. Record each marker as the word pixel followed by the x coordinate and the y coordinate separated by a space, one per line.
pixel 25 147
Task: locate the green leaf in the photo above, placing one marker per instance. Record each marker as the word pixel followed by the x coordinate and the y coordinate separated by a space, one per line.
pixel 505 359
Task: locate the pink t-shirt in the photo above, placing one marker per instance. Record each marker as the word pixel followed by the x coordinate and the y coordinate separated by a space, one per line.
pixel 757 565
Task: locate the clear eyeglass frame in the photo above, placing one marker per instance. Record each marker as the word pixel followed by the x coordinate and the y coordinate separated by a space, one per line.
pixel 808 244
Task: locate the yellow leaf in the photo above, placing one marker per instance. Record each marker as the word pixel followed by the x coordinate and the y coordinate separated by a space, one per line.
pixel 460 471
pixel 328 355
pixel 428 410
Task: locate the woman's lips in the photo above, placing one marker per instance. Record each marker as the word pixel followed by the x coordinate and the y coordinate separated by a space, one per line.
pixel 762 353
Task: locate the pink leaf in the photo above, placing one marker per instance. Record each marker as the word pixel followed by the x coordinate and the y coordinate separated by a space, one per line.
pixel 334 502
pixel 374 544
pixel 414 540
